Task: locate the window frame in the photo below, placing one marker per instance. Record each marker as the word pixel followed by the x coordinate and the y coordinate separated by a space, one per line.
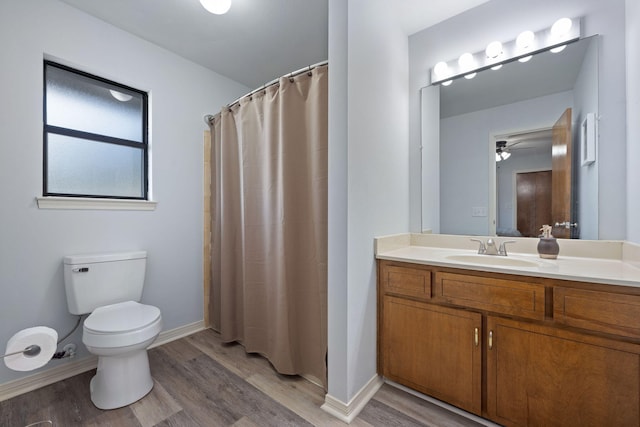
pixel 50 129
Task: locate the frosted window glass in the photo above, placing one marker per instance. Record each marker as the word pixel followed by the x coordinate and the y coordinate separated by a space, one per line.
pixel 81 103
pixel 81 167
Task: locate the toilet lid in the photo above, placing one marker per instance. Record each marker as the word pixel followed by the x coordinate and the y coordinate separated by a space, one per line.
pixel 122 317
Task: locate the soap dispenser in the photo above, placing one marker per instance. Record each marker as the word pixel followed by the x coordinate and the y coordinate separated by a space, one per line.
pixel 548 246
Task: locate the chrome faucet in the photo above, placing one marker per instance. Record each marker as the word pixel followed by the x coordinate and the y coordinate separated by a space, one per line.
pixel 490 247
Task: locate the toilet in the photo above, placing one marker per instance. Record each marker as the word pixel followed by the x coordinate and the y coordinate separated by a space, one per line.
pixel 119 329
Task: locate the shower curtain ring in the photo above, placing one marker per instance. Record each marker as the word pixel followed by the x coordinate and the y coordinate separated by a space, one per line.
pixel 309 73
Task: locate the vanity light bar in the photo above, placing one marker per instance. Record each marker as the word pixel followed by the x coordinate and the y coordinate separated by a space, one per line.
pixel 517 49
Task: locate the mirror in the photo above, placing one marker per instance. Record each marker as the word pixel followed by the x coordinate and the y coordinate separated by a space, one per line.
pixel 466 191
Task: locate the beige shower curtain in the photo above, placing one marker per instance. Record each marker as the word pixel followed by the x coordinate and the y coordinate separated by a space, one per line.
pixel 269 223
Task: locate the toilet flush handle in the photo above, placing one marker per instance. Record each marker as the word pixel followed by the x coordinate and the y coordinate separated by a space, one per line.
pixel 81 270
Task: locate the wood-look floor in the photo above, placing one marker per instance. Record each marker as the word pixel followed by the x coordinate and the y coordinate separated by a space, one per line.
pixel 200 381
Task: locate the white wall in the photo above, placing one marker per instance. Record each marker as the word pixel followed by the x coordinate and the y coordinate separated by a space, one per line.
pixel 377 183
pixel 502 20
pixel 33 241
pixel 633 123
pixel 466 142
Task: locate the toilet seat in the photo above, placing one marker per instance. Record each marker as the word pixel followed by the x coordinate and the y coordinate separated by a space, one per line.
pixel 121 325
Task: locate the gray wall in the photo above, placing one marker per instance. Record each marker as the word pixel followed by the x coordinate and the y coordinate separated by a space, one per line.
pixel 33 241
pixel 503 20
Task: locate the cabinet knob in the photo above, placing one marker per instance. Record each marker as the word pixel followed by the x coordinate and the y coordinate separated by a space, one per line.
pixel 490 340
pixel 476 336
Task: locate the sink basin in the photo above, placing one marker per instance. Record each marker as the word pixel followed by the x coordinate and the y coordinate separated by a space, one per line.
pixel 500 261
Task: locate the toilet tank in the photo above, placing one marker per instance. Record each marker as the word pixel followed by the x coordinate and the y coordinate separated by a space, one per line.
pixel 94 280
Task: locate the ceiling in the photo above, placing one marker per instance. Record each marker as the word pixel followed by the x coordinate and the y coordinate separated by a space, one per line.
pixel 257 40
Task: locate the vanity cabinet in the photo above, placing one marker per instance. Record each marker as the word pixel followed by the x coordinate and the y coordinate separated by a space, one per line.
pixel 519 350
pixel 539 375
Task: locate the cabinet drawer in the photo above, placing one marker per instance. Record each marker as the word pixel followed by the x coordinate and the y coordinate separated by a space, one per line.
pixel 600 311
pixel 504 296
pixel 407 281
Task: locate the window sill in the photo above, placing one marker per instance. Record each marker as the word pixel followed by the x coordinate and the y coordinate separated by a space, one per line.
pixel 95 204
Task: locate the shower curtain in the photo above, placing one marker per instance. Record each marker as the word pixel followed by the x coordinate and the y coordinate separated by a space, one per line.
pixel 269 223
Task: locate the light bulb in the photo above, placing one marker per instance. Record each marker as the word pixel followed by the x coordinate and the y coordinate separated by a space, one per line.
pixel 447 83
pixel 441 69
pixel 470 76
pixel 218 7
pixel 525 58
pixel 558 49
pixel 494 50
pixel 525 40
pixel 561 27
pixel 466 61
pixel 497 67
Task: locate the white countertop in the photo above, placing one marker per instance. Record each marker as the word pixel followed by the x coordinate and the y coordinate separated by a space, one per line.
pixel 610 262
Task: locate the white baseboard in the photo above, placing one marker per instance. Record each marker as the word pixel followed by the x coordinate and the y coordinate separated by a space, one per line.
pixel 179 332
pixel 32 382
pixel 347 412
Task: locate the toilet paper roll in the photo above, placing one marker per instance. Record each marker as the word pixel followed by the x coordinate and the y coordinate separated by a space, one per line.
pixel 42 336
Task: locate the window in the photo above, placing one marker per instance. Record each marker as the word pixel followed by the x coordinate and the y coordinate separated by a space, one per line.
pixel 95 136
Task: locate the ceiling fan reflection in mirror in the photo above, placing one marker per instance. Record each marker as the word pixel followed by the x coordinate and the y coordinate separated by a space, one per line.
pixel 501 151
pixel 538 140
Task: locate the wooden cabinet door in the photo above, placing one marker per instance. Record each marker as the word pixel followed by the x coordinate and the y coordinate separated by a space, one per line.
pixel 537 375
pixel 435 350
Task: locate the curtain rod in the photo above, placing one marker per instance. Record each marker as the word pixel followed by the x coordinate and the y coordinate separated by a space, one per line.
pixel 208 118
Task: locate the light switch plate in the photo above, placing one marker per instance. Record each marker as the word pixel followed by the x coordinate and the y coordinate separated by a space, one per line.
pixel 479 211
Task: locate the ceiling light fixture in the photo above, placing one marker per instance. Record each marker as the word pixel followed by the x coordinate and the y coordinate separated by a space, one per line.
pixel 217 7
pixel 504 155
pixel 522 48
pixel 122 97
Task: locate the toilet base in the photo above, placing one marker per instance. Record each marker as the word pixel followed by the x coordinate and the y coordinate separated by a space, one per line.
pixel 121 380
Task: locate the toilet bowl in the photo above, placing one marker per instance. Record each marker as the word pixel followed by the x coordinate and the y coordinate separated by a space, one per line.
pixel 119 328
pixel 119 335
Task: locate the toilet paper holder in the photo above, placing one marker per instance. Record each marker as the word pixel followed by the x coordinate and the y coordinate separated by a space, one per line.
pixel 30 351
